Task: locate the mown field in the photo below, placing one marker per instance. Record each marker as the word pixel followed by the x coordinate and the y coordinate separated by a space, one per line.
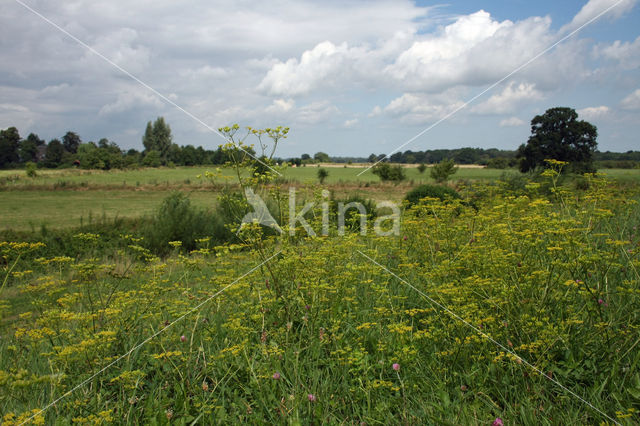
pixel 520 301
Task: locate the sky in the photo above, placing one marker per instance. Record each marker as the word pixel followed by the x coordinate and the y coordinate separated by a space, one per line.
pixel 349 78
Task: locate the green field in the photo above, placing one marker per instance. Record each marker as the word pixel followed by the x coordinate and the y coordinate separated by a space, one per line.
pixel 67 198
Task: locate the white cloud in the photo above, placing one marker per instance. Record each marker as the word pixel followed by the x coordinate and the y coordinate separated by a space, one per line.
pixel 507 101
pixel 348 124
pixel 376 111
pixel 422 108
pixel 315 113
pixel 512 122
pixel 593 113
pixel 632 101
pixel 129 100
pixel 280 106
pixel 626 54
pixel 316 67
pixel 594 7
pixel 478 50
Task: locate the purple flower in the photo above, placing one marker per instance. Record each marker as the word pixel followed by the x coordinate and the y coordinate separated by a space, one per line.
pixel 602 302
pixel 396 367
pixel 311 397
pixel 183 338
pixel 307 307
pixel 276 376
pixel 497 422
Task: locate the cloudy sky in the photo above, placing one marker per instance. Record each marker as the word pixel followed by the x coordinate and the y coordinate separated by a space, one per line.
pixel 349 77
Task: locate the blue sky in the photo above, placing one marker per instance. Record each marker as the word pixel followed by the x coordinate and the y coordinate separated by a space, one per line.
pixel 349 77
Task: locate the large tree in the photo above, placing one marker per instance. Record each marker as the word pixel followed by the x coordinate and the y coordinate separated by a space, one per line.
pixel 157 137
pixel 71 141
pixel 54 154
pixel 29 148
pixel 9 144
pixel 559 135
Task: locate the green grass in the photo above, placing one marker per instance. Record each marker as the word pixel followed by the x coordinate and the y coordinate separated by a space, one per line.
pixel 62 198
pixel 187 176
pixel 25 210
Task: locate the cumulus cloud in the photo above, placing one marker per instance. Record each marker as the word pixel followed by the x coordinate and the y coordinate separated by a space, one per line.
pixel 507 101
pixel 423 108
pixel 280 106
pixel 512 122
pixel 594 7
pixel 625 54
pixel 593 113
pixel 632 101
pixel 315 113
pixel 129 100
pixel 317 66
pixel 348 124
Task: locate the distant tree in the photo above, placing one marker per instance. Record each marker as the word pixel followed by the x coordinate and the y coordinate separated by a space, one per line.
pixel 29 148
pixel 148 139
pixel 322 175
pixel 190 156
pixel 387 172
pixel 443 170
pixel 71 141
pixel 157 137
pixel 498 163
pixel 174 155
pixel 9 144
pixel 305 157
pixel 152 159
pixel 54 154
pixel 421 168
pixel 163 137
pixel 372 158
pixel 559 135
pixel 321 157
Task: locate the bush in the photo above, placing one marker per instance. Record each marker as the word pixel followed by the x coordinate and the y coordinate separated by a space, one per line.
pixel 441 171
pixel 433 191
pixel 387 172
pixel 421 168
pixel 322 175
pixel 178 220
pixel 30 168
pixel 498 163
pixel 352 215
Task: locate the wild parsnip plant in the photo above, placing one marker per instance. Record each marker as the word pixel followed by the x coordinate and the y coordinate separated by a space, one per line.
pixel 321 334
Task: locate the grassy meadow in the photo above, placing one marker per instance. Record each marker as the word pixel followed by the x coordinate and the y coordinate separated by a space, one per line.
pixel 69 198
pixel 518 301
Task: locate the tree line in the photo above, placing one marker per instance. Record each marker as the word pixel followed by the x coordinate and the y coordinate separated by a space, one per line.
pixel 556 134
pixel 71 151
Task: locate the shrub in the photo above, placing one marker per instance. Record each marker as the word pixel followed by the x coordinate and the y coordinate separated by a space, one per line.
pixel 441 171
pixel 498 163
pixel 387 172
pixel 178 220
pixel 352 215
pixel 322 175
pixel 30 168
pixel 421 168
pixel 433 191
